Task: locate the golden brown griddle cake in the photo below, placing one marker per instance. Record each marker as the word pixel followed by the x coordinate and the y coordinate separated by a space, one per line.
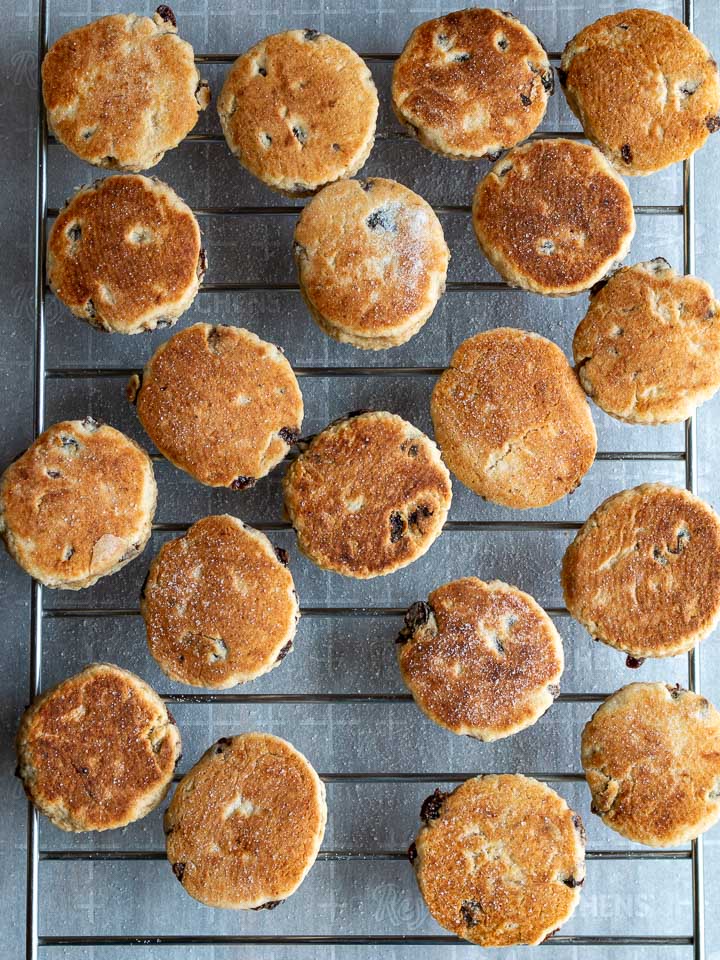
pixel 97 751
pixel 644 88
pixel 122 90
pixel 372 261
pixel 369 495
pixel 643 573
pixel 246 823
pixel 125 255
pixel 480 659
pixel 299 110
pixel 500 860
pixel 511 419
pixel 651 755
pixel 219 604
pixel 553 217
pixel 220 403
pixel 472 83
pixel 78 504
pixel 648 349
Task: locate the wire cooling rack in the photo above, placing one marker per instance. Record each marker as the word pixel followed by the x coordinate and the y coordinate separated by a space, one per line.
pixel 49 931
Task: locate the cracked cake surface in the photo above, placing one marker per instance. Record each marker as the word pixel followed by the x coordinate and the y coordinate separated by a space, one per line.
pixel 219 604
pixel 500 861
pixel 481 659
pixel 651 756
pixel 643 572
pixel 245 824
pixel 122 90
pixel 472 83
pixel 219 403
pixel 646 90
pixel 368 495
pixel 78 504
pixel 97 751
pixel 299 110
pixel 511 419
pixel 648 349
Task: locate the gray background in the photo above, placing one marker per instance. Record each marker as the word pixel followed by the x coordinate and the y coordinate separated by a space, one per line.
pixel 343 655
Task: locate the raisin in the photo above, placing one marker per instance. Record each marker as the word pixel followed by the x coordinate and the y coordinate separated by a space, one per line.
pixel 382 219
pixel 243 483
pixel 53 474
pixel 676 692
pixel 221 744
pixel 412 852
pixel 554 690
pixel 548 81
pixel 70 443
pixel 713 124
pixel 572 882
pixel 165 13
pixel 270 905
pixel 432 806
pixel 420 511
pixel 202 263
pixel 470 911
pixel 282 555
pixel 289 435
pixel 579 827
pixel 311 34
pixel 179 870
pixel 626 153
pixel 397 526
pixel 300 135
pixel 493 156
pixel 75 232
pixel 634 662
pixel 417 615
pixel 461 57
pixel 262 71
pixel 525 100
pixel 91 424
pixel 284 652
pixel 366 185
pixel 503 44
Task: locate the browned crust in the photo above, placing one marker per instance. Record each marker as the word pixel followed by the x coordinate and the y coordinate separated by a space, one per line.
pixel 648 349
pixel 646 91
pixel 500 860
pixel 481 659
pixel 643 573
pixel 368 496
pixel 511 419
pixel 246 823
pixel 125 255
pixel 97 751
pixel 220 403
pixel 651 755
pixel 553 217
pixel 372 260
pixel 306 82
pixel 472 83
pixel 122 90
pixel 78 504
pixel 219 605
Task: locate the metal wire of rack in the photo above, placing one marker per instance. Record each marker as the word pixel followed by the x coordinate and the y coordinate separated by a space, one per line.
pixel 40 614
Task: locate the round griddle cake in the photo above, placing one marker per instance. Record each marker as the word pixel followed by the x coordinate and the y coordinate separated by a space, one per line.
pixel 481 659
pixel 472 83
pixel 646 91
pixel 369 495
pixel 78 504
pixel 122 90
pixel 643 573
pixel 219 604
pixel 648 349
pixel 125 255
pixel 511 419
pixel 372 261
pixel 500 860
pixel 651 755
pixel 298 111
pixel 245 824
pixel 553 217
pixel 220 403
pixel 97 751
